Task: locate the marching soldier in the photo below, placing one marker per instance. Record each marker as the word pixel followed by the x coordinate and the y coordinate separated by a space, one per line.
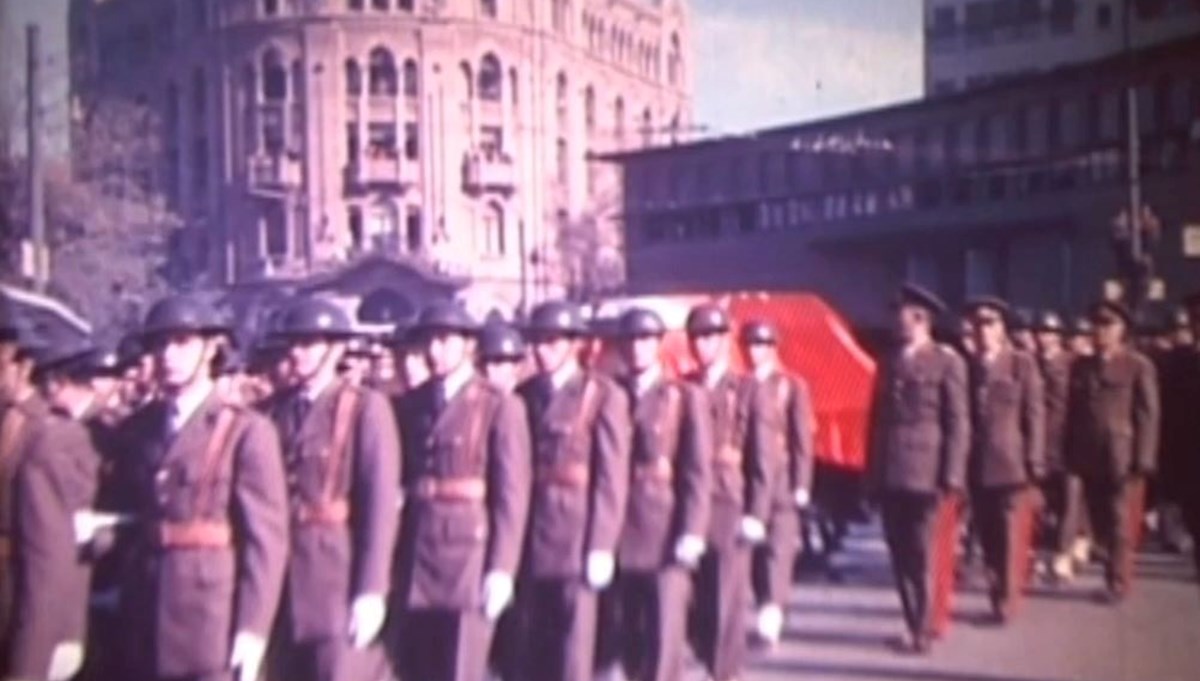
pixel 920 436
pixel 341 454
pixel 579 422
pixel 54 525
pixel 501 355
pixel 1177 442
pixel 741 495
pixel 668 510
pixel 21 409
pixel 1080 342
pixel 467 481
pixel 1022 334
pixel 1061 490
pixel 1112 437
pixel 786 421
pixel 206 573
pixel 1007 451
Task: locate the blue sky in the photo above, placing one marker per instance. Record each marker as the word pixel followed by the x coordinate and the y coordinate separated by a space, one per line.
pixel 757 62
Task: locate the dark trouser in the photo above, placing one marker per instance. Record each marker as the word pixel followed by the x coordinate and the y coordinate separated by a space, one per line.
pixel 509 640
pixel 908 524
pixel 998 513
pixel 774 559
pixel 558 641
pixel 718 627
pixel 1115 508
pixel 327 659
pixel 1063 511
pixel 653 622
pixel 442 645
pixel 1191 517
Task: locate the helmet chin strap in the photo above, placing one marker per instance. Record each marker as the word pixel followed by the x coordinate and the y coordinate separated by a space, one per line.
pixel 327 360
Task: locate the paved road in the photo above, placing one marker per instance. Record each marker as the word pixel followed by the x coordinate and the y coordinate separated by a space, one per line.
pixel 842 631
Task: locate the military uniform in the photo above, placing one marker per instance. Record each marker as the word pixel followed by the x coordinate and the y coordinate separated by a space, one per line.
pixel 341 455
pixel 1007 455
pixel 919 439
pixel 580 434
pixel 1111 444
pixel 467 479
pixel 1061 491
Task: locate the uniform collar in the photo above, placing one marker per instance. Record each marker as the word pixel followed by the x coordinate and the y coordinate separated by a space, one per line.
pixel 562 375
pixel 712 375
pixel 312 391
pixel 186 404
pixel 453 382
pixel 909 350
pixel 647 379
pixel 764 371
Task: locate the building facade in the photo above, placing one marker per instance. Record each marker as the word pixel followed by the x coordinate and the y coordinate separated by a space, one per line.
pixel 1014 189
pixel 971 43
pixel 452 135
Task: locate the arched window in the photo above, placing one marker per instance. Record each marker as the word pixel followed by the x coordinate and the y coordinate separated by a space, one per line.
pixel 353 78
pixel 674 61
pixel 493 229
pixel 489 8
pixel 412 78
pixel 381 72
pixel 589 108
pixel 491 78
pixel 274 76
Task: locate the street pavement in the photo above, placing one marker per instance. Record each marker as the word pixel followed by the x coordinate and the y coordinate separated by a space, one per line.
pixel 842 629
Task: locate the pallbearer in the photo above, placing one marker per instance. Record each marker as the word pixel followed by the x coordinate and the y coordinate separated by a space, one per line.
pixel 1007 451
pixel 1112 438
pixel 204 580
pixel 920 435
pixel 668 511
pixel 466 482
pixel 741 496
pixel 785 438
pixel 579 421
pixel 341 454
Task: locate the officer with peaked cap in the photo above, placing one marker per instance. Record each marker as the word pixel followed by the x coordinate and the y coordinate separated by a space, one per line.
pixel 741 493
pixel 467 482
pixel 669 501
pixel 1007 453
pixel 501 354
pixel 579 425
pixel 341 456
pixel 1061 491
pixel 208 472
pixel 785 436
pixel 1112 437
pixel 21 410
pixel 920 438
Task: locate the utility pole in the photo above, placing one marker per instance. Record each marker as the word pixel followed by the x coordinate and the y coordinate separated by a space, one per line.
pixel 33 133
pixel 1137 276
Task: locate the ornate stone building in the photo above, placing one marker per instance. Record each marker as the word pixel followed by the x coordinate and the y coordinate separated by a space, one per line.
pixel 455 136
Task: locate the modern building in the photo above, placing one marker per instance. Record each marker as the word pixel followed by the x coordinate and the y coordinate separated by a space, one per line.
pixel 972 43
pixel 452 136
pixel 1013 189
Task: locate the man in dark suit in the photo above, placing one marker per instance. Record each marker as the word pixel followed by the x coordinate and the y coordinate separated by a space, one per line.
pixel 55 526
pixel 919 439
pixel 205 577
pixel 467 481
pixel 669 500
pixel 342 456
pixel 1062 491
pixel 1112 437
pixel 785 426
pixel 1007 450
pixel 579 422
pixel 741 494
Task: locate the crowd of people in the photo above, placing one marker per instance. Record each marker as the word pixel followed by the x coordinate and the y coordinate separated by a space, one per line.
pixel 454 500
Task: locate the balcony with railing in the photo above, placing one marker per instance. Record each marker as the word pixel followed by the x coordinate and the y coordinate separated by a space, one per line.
pixel 489 171
pixel 381 171
pixel 272 174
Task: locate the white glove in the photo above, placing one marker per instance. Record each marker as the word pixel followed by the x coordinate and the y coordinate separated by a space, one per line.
pixel 367 614
pixel 87 523
pixel 600 568
pixel 65 661
pixel 753 530
pixel 247 655
pixel 497 593
pixel 688 550
pixel 803 498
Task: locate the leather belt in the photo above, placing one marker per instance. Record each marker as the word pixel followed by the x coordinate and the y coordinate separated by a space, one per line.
pixel 656 470
pixel 335 512
pixel 195 534
pixel 449 489
pixel 564 474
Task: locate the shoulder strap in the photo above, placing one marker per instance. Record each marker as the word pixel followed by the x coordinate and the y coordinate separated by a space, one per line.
pixel 215 453
pixel 344 412
pixel 585 405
